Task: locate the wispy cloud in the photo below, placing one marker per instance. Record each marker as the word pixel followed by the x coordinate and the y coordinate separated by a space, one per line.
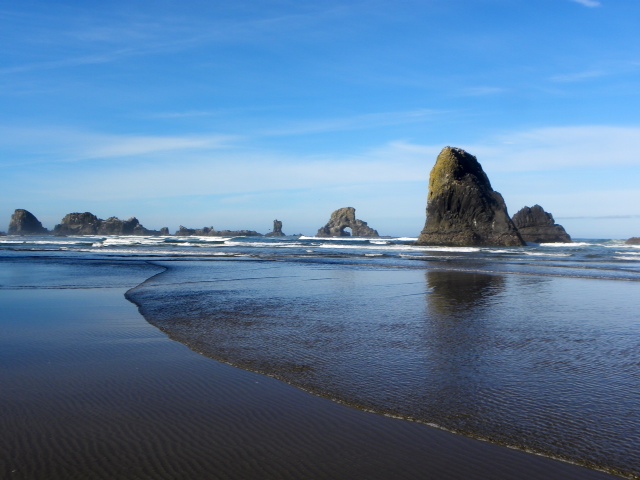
pixel 559 148
pixel 588 3
pixel 49 145
pixel 68 62
pixel 482 91
pixel 601 217
pixel 186 114
pixel 356 122
pixel 97 40
pixel 578 76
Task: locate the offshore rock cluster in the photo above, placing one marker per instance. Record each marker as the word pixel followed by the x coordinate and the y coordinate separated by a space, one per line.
pixel 462 210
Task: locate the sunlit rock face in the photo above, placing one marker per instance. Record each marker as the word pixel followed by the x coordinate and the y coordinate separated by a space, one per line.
pixel 343 219
pixel 462 208
pixel 537 226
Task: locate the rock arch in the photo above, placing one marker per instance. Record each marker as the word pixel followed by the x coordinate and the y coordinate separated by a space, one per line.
pixel 345 218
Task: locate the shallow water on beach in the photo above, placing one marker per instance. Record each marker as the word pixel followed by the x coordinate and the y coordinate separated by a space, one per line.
pixel 536 348
pixel 546 364
pixel 91 390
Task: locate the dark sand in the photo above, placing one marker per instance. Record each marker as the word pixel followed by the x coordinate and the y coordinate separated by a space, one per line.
pixel 90 390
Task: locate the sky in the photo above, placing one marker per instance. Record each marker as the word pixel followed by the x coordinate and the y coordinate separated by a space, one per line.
pixel 233 114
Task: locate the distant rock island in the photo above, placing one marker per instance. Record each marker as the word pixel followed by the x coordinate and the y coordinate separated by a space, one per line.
pixel 24 222
pixel 88 224
pixel 342 219
pixel 462 208
pixel 537 226
pixel 633 241
pixel 212 232
pixel 277 230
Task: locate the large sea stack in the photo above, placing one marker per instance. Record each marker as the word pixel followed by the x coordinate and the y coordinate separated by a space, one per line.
pixel 24 222
pixel 537 226
pixel 462 208
pixel 342 219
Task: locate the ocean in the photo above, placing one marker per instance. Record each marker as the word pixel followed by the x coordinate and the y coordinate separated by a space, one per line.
pixel 534 348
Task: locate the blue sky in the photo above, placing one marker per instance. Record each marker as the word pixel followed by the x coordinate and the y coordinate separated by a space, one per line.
pixel 233 114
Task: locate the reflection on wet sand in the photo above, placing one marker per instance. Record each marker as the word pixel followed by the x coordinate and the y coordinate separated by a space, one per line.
pixel 458 294
pixel 458 340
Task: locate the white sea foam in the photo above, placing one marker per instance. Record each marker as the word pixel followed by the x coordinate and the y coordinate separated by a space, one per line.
pixel 337 239
pixel 445 249
pixel 154 252
pixel 264 244
pixel 53 241
pixel 572 244
pixel 628 258
pixel 194 238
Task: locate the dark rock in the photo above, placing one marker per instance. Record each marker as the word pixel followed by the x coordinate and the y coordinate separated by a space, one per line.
pixel 164 231
pixel 115 226
pixel 78 224
pixel 88 224
pixel 211 232
pixel 277 230
pixel 537 226
pixel 185 232
pixel 633 241
pixel 346 218
pixel 24 222
pixel 462 208
pixel 235 233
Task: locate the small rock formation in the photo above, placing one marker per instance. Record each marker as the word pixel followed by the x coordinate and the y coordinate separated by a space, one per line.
pixel 212 232
pixel 164 231
pixel 88 224
pixel 346 218
pixel 115 226
pixel 537 226
pixel 633 241
pixel 462 208
pixel 277 230
pixel 24 222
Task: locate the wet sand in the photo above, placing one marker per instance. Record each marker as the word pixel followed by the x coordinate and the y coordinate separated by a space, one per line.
pixel 91 390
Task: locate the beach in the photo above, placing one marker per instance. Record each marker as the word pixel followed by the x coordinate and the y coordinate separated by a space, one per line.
pixel 91 390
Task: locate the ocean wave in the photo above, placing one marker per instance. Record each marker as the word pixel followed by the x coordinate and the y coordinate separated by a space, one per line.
pixel 627 258
pixel 289 244
pixel 564 244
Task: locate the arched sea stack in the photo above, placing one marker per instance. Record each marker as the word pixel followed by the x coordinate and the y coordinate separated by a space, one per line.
pixel 342 219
